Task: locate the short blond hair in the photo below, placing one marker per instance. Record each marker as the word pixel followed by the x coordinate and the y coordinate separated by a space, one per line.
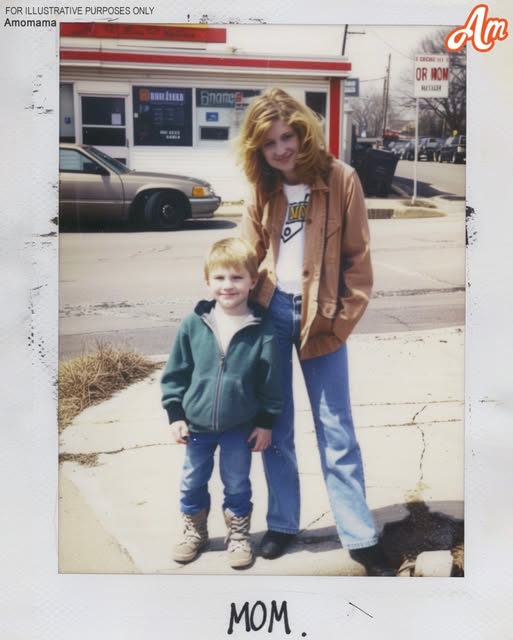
pixel 231 253
pixel 263 111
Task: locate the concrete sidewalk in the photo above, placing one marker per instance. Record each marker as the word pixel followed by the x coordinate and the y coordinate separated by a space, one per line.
pixel 119 478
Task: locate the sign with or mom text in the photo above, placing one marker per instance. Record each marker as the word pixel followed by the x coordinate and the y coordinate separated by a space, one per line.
pixel 431 79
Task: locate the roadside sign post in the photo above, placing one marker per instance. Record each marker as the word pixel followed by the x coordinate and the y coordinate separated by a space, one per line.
pixel 431 80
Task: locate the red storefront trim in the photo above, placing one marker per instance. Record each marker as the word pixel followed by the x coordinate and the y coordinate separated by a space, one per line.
pixel 209 60
pixel 143 32
pixel 335 106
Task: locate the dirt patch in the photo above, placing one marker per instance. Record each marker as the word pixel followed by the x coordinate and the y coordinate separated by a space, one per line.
pixel 423 530
pixel 86 459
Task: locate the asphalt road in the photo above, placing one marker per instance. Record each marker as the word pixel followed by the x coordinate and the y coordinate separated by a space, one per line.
pixel 132 289
pixel 433 179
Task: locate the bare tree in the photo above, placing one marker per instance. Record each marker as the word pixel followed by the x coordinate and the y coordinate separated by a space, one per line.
pixel 368 114
pixel 440 115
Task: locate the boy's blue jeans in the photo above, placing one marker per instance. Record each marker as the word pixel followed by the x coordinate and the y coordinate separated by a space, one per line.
pixel 326 379
pixel 234 466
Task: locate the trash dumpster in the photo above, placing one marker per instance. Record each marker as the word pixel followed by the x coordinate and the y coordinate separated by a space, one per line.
pixel 376 168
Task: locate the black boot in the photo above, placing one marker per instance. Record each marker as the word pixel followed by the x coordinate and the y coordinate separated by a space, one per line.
pixel 374 560
pixel 274 543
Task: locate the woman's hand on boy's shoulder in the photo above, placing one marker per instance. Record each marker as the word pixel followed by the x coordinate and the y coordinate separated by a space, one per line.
pixel 180 431
pixel 261 439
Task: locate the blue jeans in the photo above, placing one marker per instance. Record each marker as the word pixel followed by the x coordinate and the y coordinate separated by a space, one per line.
pixel 326 379
pixel 234 466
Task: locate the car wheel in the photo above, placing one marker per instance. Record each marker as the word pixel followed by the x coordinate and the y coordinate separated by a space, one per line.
pixel 165 211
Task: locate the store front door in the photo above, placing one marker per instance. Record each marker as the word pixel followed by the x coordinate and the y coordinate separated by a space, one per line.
pixel 104 124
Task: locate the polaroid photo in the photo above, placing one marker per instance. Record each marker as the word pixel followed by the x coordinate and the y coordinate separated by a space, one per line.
pixel 125 123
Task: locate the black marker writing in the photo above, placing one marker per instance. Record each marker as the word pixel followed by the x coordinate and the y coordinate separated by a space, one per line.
pixel 256 618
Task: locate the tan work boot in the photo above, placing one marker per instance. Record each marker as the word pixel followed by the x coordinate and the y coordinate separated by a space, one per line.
pixel 240 553
pixel 195 536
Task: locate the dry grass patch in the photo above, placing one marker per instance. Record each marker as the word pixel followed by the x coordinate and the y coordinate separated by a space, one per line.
pixel 94 377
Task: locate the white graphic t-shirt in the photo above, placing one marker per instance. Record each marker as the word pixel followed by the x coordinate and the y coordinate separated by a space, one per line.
pixel 289 267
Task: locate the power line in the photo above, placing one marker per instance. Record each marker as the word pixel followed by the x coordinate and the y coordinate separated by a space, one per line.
pixel 404 55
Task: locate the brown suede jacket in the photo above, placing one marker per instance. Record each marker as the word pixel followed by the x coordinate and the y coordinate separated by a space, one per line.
pixel 337 270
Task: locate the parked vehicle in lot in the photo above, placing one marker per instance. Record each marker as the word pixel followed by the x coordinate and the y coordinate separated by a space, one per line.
pixel 94 186
pixel 397 147
pixel 409 151
pixel 428 148
pixel 453 150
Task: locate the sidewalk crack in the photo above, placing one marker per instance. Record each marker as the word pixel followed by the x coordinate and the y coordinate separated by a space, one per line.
pixel 423 452
pixel 91 459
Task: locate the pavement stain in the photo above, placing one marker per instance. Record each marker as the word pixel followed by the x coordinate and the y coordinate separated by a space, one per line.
pixel 423 530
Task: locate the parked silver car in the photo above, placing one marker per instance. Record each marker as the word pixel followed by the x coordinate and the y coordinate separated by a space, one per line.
pixel 94 186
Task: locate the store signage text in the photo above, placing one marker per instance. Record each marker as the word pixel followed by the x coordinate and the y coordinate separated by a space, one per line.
pixel 352 87
pixel 156 95
pixel 224 98
pixel 209 98
pixel 431 78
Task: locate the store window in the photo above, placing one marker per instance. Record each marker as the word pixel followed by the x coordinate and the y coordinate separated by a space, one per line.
pixel 103 121
pixel 219 112
pixel 317 100
pixel 162 116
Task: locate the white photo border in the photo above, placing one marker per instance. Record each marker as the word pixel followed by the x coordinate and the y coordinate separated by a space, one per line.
pixel 37 602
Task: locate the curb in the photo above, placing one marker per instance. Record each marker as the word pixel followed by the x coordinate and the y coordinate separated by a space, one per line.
pixel 396 210
pixel 398 207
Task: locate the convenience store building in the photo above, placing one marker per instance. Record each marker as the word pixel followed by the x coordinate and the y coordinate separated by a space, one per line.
pixel 171 98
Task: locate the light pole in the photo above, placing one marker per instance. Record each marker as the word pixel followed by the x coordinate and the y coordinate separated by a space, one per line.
pixel 386 87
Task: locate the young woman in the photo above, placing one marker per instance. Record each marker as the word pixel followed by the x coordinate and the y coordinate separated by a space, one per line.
pixel 307 220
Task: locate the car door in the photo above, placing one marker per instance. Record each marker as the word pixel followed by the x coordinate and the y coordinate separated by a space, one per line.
pixel 87 189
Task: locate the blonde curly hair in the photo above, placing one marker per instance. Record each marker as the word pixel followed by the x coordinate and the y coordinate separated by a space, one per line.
pixel 275 104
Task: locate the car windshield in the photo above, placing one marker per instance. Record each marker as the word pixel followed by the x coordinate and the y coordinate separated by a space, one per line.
pixel 112 163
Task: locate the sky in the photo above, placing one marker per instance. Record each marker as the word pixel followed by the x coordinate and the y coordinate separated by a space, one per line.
pixel 367 46
pixel 368 52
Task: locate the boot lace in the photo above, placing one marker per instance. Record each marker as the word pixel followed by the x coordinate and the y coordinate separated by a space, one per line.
pixel 238 536
pixel 191 530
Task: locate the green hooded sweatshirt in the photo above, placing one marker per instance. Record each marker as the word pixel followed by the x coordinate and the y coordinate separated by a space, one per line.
pixel 213 390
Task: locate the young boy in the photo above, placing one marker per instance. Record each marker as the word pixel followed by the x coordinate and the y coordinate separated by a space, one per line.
pixel 221 387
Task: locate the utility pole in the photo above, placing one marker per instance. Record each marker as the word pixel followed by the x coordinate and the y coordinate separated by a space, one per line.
pixel 386 87
pixel 349 33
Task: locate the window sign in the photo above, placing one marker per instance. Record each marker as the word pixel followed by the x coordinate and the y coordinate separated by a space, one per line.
pixel 352 87
pixel 219 112
pixel 162 116
pixel 224 98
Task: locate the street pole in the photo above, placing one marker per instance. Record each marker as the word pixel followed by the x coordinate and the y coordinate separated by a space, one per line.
pixel 349 33
pixel 386 93
pixel 344 41
pixel 415 152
